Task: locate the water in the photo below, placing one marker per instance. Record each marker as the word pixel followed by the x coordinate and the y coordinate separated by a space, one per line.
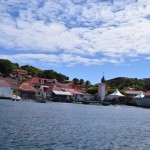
pixel 62 126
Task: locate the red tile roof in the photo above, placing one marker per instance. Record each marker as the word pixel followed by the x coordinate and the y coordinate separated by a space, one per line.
pixel 50 89
pixel 3 83
pixel 36 80
pixel 147 93
pixel 73 91
pixel 26 87
pixel 133 92
pixel 12 82
pixel 21 71
pixel 58 88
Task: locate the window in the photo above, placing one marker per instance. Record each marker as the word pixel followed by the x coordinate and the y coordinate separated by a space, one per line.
pixel 38 93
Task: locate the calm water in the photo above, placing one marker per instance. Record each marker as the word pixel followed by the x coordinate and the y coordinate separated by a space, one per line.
pixel 60 126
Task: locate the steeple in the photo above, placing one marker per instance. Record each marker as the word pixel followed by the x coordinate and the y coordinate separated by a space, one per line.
pixel 103 80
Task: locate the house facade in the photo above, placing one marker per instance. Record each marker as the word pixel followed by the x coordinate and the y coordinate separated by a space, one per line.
pixel 18 73
pixel 6 90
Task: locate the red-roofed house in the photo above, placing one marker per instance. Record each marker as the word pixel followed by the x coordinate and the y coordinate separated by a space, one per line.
pixel 76 94
pixel 19 73
pixel 48 88
pixel 26 91
pixel 12 82
pixel 5 89
pixel 130 93
pixel 40 85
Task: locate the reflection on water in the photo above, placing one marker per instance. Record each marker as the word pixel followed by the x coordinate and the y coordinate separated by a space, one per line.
pixel 62 126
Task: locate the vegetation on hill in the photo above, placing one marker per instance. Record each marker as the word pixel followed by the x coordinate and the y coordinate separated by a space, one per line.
pixel 7 66
pixel 122 82
pixel 50 74
pixel 92 89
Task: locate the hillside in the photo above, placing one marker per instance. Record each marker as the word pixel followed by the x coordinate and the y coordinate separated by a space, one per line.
pixel 121 82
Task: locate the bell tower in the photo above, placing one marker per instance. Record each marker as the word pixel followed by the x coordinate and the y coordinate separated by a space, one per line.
pixel 101 88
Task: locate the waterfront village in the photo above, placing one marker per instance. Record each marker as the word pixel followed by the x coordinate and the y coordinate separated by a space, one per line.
pixel 42 89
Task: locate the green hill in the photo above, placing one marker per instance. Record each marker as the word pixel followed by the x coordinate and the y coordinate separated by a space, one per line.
pixel 122 82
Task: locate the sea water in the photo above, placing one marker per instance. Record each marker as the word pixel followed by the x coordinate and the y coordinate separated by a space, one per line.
pixel 63 126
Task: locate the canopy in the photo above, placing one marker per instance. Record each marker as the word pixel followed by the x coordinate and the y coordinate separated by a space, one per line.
pixel 62 93
pixel 116 94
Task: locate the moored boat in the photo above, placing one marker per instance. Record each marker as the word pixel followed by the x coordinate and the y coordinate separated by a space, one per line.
pixel 105 103
pixel 41 100
pixel 16 98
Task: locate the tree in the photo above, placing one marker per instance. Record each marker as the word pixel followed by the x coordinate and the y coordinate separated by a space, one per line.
pixel 6 66
pixel 34 72
pixel 50 74
pixel 75 81
pixel 87 83
pixel 92 90
pixel 81 81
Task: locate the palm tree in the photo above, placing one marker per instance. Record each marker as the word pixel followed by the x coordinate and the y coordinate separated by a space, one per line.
pixel 75 81
pixel 87 84
pixel 81 81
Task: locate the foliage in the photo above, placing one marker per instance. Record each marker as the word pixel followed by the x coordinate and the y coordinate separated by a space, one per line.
pixel 123 82
pixel 75 81
pixel 81 82
pixel 92 90
pixel 50 74
pixel 7 66
pixel 34 72
pixel 87 84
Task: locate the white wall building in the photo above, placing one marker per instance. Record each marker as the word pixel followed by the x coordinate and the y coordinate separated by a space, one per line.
pixel 101 89
pixel 5 89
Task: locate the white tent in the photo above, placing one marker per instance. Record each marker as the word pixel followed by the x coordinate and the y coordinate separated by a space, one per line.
pixel 116 94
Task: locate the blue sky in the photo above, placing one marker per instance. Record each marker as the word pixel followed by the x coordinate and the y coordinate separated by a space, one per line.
pixel 78 38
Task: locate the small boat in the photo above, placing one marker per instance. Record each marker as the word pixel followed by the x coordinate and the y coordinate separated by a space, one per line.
pixel 15 97
pixel 41 100
pixel 105 103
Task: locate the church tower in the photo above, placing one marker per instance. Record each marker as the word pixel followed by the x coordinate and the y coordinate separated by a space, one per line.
pixel 101 89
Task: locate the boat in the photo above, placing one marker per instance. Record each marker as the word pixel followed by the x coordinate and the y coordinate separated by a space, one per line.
pixel 105 103
pixel 41 100
pixel 142 100
pixel 15 97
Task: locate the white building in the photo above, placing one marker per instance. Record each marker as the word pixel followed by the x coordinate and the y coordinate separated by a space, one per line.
pixel 5 89
pixel 101 89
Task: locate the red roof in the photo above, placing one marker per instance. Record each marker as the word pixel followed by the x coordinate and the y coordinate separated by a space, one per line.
pixel 40 81
pixel 133 92
pixel 12 82
pixel 21 71
pixel 147 93
pixel 3 83
pixel 26 87
pixel 50 89
pixel 58 88
pixel 73 91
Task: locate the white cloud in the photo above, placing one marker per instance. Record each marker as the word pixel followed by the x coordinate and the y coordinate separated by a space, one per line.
pixel 68 59
pixel 90 31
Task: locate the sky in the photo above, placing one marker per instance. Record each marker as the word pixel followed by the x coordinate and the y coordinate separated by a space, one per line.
pixel 78 38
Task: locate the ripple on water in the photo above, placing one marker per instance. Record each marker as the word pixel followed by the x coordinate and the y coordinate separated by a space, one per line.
pixel 51 126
